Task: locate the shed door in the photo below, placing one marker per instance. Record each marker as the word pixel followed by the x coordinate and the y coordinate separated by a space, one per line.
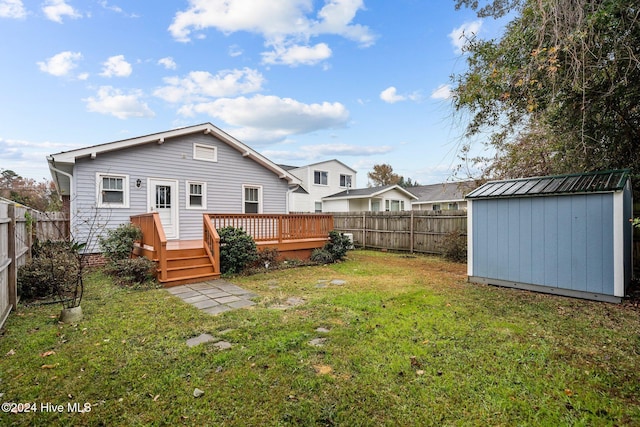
pixel 163 198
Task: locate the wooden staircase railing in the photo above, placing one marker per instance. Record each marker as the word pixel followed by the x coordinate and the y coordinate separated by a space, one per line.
pixel 153 240
pixel 211 241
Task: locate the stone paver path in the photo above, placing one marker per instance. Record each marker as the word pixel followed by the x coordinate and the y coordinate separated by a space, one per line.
pixel 214 296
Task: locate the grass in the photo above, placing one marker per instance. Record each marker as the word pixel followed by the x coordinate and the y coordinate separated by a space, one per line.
pixel 410 342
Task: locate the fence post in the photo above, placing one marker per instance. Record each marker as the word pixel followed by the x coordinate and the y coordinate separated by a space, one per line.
pixel 13 268
pixel 364 230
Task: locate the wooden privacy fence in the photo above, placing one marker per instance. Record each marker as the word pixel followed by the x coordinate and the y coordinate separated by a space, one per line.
pixel 18 227
pixel 411 231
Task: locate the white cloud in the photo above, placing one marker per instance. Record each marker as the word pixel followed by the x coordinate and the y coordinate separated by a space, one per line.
pixel 296 55
pixel 56 9
pixel 313 152
pixel 460 36
pixel 113 101
pixel 168 63
pixel 116 66
pixel 83 76
pixel 201 85
pixel 391 96
pixel 234 50
pixel 284 24
pixel 60 64
pixel 270 118
pixel 442 92
pixel 12 9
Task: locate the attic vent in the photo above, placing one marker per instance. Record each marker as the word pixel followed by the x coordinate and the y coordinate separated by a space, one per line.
pixel 207 153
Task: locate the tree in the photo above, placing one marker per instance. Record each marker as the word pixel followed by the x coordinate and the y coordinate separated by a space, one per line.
pixel 41 196
pixel 560 91
pixel 382 174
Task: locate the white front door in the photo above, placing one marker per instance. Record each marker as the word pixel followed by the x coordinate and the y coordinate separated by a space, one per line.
pixel 163 198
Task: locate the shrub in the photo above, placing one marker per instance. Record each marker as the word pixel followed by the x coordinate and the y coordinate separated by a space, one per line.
pixel 322 256
pixel 135 272
pixel 267 258
pixel 454 247
pixel 54 270
pixel 237 250
pixel 118 243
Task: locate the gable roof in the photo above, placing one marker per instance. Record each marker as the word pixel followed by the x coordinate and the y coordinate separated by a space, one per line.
pixel 589 182
pixel 443 192
pixel 364 193
pixel 61 164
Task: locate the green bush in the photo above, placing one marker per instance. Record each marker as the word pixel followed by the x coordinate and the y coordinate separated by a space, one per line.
pixel 133 272
pixel 267 258
pixel 338 245
pixel 322 256
pixel 454 247
pixel 54 270
pixel 118 243
pixel 237 250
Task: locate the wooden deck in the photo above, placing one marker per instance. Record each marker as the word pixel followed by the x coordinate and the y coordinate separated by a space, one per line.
pixel 189 261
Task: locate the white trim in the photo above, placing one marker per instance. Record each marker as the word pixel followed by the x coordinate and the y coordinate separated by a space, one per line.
pixel 259 187
pixel 619 222
pixel 125 191
pixel 187 192
pixel 213 158
pixel 469 238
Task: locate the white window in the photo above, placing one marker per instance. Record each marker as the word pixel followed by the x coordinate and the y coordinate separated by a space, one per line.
pixel 453 206
pixel 208 153
pixel 321 177
pixel 196 195
pixel 252 199
pixel 394 205
pixel 345 180
pixel 112 191
pixel 435 207
pixel 375 206
pixel 318 207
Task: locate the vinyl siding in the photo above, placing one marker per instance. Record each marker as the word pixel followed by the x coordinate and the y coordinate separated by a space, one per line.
pixel 563 241
pixel 174 160
pixel 306 203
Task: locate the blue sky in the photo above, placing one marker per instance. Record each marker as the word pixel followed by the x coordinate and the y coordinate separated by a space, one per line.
pixel 301 81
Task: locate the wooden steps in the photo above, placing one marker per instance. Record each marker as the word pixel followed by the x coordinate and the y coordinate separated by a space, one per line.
pixel 188 265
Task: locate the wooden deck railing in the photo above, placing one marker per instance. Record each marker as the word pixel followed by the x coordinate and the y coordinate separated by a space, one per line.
pixel 211 243
pixel 153 239
pixel 276 228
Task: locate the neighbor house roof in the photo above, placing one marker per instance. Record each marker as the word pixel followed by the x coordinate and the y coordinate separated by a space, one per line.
pixel 61 164
pixel 443 192
pixel 589 182
pixel 364 193
pixel 319 163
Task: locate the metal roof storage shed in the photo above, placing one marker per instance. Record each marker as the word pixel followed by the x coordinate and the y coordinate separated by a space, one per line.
pixel 568 235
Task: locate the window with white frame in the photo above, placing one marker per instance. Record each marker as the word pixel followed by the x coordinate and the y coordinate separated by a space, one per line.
pixel 345 181
pixel 318 207
pixel 453 206
pixel 435 207
pixel 321 177
pixel 196 195
pixel 112 191
pixel 252 199
pixel 208 153
pixel 394 205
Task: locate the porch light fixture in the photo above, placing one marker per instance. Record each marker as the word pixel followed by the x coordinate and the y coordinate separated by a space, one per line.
pixel 138 182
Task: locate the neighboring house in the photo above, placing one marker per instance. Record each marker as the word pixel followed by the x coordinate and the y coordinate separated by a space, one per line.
pixel 375 199
pixel 319 180
pixel 181 174
pixel 442 197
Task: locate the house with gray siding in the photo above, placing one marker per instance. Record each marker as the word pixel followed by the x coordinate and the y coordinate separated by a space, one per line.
pixel 181 174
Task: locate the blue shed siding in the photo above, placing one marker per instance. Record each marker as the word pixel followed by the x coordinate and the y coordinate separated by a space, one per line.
pixel 173 160
pixel 555 241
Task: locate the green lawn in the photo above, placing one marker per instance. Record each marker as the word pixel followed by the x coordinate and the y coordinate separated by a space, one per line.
pixel 410 342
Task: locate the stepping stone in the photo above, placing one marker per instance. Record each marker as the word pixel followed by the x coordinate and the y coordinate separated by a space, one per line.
pixel 242 303
pixel 215 293
pixel 223 345
pixel 216 309
pixel 194 299
pixel 226 300
pixel 317 342
pixel 337 282
pixel 206 304
pixel 320 285
pixel 200 339
pixel 188 294
pixel 178 290
pixel 322 330
pixel 293 301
